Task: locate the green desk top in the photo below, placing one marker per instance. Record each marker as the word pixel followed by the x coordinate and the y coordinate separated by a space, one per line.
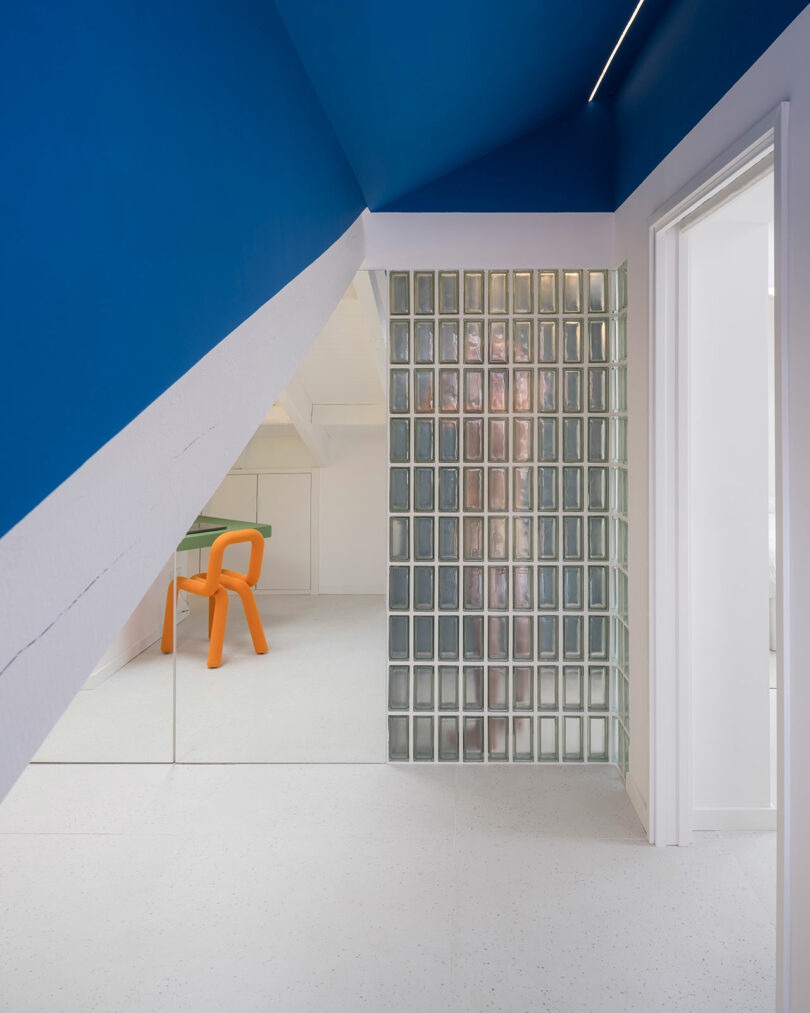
pixel 203 539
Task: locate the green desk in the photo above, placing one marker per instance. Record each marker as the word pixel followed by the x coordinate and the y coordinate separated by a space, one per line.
pixel 204 539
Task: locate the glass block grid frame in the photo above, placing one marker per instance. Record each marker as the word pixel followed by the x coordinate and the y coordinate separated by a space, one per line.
pixel 500 522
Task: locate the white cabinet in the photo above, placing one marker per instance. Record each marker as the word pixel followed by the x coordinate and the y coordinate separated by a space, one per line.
pixel 285 502
pixel 235 498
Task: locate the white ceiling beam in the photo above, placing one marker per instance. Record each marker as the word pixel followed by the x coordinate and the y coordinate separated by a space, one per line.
pixel 370 288
pixel 348 414
pixel 298 406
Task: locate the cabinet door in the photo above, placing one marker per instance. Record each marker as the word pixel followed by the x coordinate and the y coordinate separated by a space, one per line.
pixel 284 501
pixel 236 500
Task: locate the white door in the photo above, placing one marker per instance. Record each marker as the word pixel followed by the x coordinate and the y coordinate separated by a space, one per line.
pixel 284 501
pixel 236 500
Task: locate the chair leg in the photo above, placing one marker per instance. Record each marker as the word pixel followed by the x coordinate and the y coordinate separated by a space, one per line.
pixel 210 615
pixel 252 615
pixel 220 600
pixel 167 640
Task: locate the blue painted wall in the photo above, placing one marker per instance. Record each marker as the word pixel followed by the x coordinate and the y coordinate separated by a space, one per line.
pixel 166 169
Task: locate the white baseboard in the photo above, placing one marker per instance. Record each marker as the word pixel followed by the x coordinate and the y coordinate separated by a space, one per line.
pixel 116 662
pixel 638 802
pixel 741 818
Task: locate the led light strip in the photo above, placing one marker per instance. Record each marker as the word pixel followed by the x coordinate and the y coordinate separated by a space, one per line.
pixel 616 48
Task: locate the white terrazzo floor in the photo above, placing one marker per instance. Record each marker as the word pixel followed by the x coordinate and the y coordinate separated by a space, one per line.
pixel 329 888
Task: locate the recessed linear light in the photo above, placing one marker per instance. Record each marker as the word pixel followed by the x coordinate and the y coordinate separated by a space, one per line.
pixel 616 48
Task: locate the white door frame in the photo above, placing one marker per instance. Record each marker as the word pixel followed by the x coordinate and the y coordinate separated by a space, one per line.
pixel 670 784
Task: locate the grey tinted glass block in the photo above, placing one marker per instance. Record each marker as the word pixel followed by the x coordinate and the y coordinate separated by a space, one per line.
pixel 547 341
pixel 498 538
pixel 597 739
pixel 547 439
pixel 572 439
pixel 423 489
pixel 522 341
pixel 547 638
pixel 473 341
pixel 547 489
pixel 498 292
pixel 473 538
pixel 448 538
pixel 597 439
pixel 448 341
pixel 523 490
pixel 473 390
pixel 398 630
pixel 473 740
pixel 424 390
pixel 547 748
pixel 424 296
pixel 547 688
pixel 423 439
pixel 597 340
pixel 398 738
pixel 522 393
pixel 448 291
pixel 448 440
pixel 448 488
pixel 498 687
pixel 598 693
pixel 398 688
pixel 522 642
pixel 572 488
pixel 399 548
pixel 399 400
pixel 572 341
pixel 522 439
pixel 423 688
pixel 547 587
pixel 572 291
pixel 573 648
pixel 473 291
pixel 546 537
pixel 523 746
pixel 597 538
pixel 597 587
pixel 400 441
pixel 448 739
pixel 448 390
pixel 547 291
pixel 547 390
pixel 473 439
pixel 448 638
pixel 597 389
pixel 497 479
pixel 523 547
pixel 522 588
pixel 423 738
pixel 423 538
pixel 399 491
pixel 473 688
pixel 572 390
pixel 499 341
pixel 523 291
pixel 572 739
pixel 498 587
pixel 473 629
pixel 597 292
pixel 448 587
pixel 423 638
pixel 399 588
pixel 498 739
pixel 598 638
pixel 597 489
pixel 498 440
pixel 448 687
pixel 399 296
pixel 400 341
pixel 423 341
pixel 572 587
pixel 499 390
pixel 522 687
pixel 573 699
pixel 473 587
pixel 423 581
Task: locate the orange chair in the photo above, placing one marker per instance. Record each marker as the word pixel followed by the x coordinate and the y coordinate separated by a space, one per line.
pixel 214 585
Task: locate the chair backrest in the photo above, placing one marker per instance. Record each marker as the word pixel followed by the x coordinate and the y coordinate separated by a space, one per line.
pixel 256 538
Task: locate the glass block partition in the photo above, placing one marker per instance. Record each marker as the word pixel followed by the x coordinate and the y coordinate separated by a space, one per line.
pixel 507 395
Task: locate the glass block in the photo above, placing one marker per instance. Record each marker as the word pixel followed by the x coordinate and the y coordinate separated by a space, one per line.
pixel 572 537
pixel 572 291
pixel 522 588
pixel 473 538
pixel 597 739
pixel 597 440
pixel 572 341
pixel 547 688
pixel 547 439
pixel 423 489
pixel 547 489
pixel 448 638
pixel 597 587
pixel 498 638
pixel 400 341
pixel 398 630
pixel 597 389
pixel 523 291
pixel 498 291
pixel 473 390
pixel 523 745
pixel 547 292
pixel 448 341
pixel 498 538
pixel 573 647
pixel 597 489
pixel 598 692
pixel 547 750
pixel 473 488
pixel 448 538
pixel 521 439
pixel 498 440
pixel 473 341
pixel 546 537
pixel 398 687
pixel 523 688
pixel 448 687
pixel 497 488
pixel 598 340
pixel 498 587
pixel 523 481
pixel 499 390
pixel 522 642
pixel 597 538
pixel 423 638
pixel 572 739
pixel 423 738
pixel 473 740
pixel 572 390
pixel 398 747
pixel 523 546
pixel 572 488
pixel 618 375
pixel 498 687
pixel 598 638
pixel 448 390
pixel 448 739
pixel 619 441
pixel 473 687
pixel 424 390
pixel 400 391
pixel 547 587
pixel 473 588
pixel 473 439
pixel 423 439
pixel 473 291
pixel 522 341
pixel 423 341
pixel 423 679
pixel 400 490
pixel 400 441
pixel 399 539
pixel 547 341
pixel 423 587
pixel 499 341
pixel 424 294
pixel 448 587
pixel 618 339
pixel 522 393
pixel 597 292
pixel 572 587
pixel 572 439
pixel 399 588
pixel 573 699
pixel 547 390
pixel 547 638
pixel 399 295
pixel 448 440
pixel 448 489
pixel 448 291
pixel 498 739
